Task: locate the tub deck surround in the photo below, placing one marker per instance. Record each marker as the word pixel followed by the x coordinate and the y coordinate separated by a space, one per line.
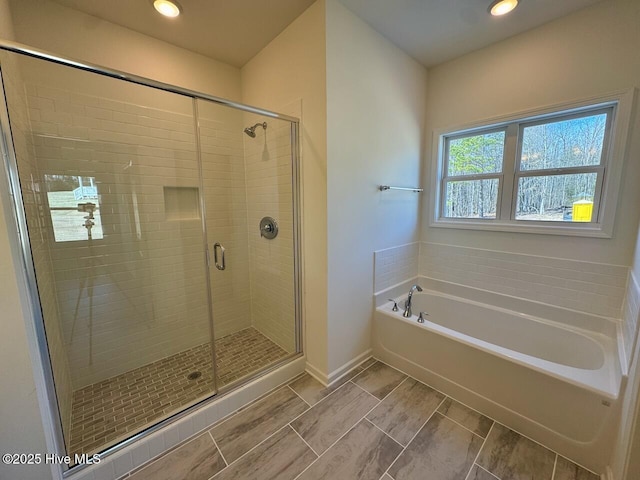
pixel 557 382
pixel 408 431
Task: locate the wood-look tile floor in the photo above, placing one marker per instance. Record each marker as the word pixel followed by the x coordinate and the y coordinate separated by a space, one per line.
pixel 377 424
pixel 113 409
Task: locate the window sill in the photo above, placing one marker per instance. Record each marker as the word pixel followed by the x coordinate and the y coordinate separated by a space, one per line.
pixel 539 228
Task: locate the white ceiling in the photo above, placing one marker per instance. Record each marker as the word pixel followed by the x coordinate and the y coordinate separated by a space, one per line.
pixel 434 31
pixel 233 31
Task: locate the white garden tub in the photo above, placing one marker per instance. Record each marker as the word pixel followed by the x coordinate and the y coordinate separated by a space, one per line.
pixel 556 379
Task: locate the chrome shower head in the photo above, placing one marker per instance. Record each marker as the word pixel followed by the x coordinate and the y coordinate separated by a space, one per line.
pixel 251 131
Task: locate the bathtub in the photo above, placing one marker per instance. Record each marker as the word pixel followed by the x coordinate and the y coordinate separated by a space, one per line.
pixel 550 373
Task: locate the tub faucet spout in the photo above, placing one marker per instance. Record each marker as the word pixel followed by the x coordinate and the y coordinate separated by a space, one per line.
pixel 407 303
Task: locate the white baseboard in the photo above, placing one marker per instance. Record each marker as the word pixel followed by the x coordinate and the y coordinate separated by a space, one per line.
pixel 338 373
pixel 317 374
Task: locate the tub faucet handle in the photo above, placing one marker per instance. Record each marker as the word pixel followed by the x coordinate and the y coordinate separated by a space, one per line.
pixel 421 317
pixel 395 305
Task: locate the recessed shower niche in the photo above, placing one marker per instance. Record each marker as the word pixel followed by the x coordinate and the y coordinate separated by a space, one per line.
pixel 132 307
pixel 181 203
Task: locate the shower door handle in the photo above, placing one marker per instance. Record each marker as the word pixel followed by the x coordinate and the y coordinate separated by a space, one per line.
pixel 220 265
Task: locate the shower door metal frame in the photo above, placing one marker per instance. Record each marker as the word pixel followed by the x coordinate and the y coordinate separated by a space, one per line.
pixel 15 192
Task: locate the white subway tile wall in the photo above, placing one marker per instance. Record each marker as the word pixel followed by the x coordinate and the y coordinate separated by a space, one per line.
pixel 395 265
pixel 269 193
pixel 585 286
pixel 139 294
pixel 631 312
pixel 34 198
pixel 223 170
pixel 145 279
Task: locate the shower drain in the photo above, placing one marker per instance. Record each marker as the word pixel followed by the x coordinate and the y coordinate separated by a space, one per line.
pixel 194 375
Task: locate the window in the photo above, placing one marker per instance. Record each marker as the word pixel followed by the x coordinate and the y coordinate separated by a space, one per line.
pixel 473 172
pixel 553 172
pixel 74 207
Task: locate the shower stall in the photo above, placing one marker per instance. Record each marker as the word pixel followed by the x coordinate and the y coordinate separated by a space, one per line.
pixel 160 235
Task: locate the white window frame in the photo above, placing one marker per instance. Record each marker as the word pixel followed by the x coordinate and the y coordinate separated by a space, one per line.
pixel 474 176
pixel 607 184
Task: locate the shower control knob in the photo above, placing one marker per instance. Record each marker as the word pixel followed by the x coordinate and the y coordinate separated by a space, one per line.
pixel 421 317
pixel 268 228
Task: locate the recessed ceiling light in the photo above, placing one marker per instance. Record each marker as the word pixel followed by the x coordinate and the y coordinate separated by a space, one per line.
pixel 502 7
pixel 167 8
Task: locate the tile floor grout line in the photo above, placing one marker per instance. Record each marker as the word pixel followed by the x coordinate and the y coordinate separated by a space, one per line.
pixel 364 417
pixel 305 442
pixel 248 451
pixel 228 417
pixel 287 424
pixel 424 383
pixel 218 447
pixel 555 464
pixel 368 367
pixel 298 395
pixel 475 460
pixel 465 405
pixel 460 425
pixel 489 417
pixel 581 466
pixel 232 414
pixel 165 453
pixel 330 446
pixel 365 369
pixel 385 433
pixel 530 439
pixel 368 393
pixel 378 402
pixel 322 399
pixel 484 470
pixel 245 407
pixel 387 395
pixel 414 436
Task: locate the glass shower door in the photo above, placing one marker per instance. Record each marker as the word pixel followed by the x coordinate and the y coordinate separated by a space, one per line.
pixel 248 174
pixel 111 190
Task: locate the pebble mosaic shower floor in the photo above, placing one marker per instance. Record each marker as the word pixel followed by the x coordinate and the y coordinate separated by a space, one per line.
pixel 111 410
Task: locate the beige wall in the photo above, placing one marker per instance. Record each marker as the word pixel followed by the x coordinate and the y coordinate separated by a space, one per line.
pixel 58 29
pixel 588 53
pixel 22 425
pixel 292 69
pixel 375 117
